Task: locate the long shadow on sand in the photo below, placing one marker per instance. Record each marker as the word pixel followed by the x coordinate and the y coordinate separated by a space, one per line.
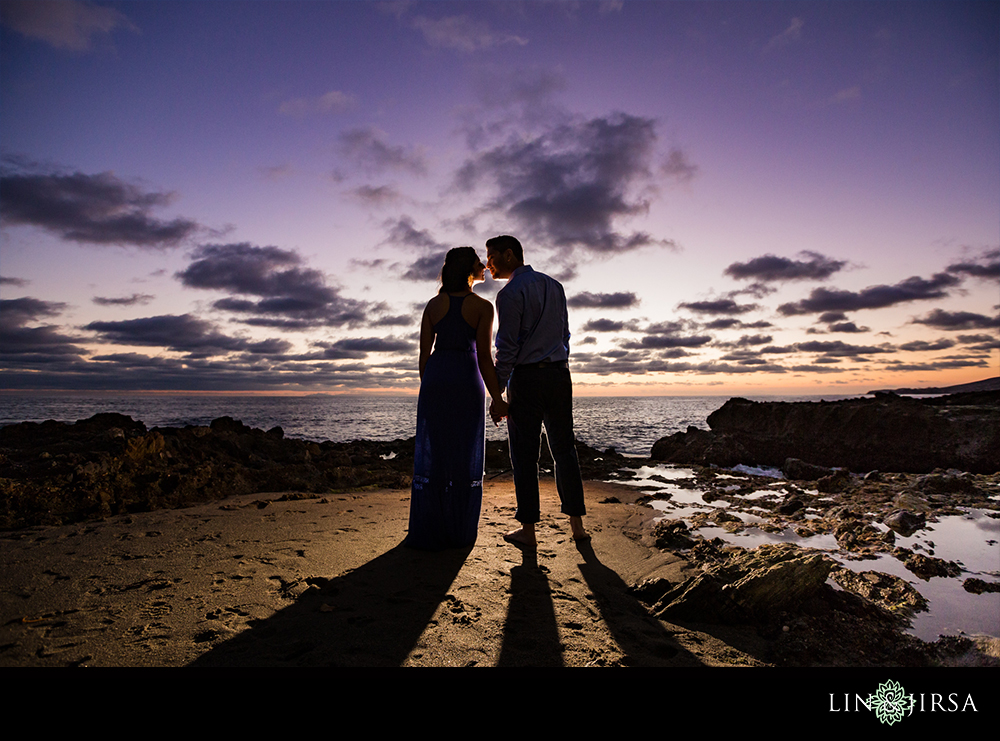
pixel 530 635
pixel 371 616
pixel 642 638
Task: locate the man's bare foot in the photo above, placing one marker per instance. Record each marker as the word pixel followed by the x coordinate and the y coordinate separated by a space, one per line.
pixel 523 537
pixel 579 533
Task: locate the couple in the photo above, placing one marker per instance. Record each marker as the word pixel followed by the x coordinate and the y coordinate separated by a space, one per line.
pixel 531 365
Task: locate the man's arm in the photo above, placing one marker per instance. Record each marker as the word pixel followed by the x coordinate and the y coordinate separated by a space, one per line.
pixel 509 310
pixel 565 317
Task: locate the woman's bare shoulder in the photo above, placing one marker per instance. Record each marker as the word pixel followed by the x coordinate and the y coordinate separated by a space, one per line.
pixel 440 299
pixel 481 303
pixel 436 308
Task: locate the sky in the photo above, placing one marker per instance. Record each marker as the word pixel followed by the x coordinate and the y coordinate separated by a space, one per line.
pixel 739 197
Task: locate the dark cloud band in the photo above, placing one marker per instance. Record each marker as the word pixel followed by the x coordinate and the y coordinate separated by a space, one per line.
pixel 93 209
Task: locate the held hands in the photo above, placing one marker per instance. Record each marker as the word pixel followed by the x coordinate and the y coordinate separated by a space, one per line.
pixel 498 410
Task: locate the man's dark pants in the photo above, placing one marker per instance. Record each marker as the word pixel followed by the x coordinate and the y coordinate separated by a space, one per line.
pixel 543 393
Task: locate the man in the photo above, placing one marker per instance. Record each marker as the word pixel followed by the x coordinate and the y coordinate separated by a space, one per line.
pixel 532 344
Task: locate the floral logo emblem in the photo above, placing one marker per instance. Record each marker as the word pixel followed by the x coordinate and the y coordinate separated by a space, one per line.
pixel 890 702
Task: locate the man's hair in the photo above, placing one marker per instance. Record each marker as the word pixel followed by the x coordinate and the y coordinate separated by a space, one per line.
pixel 506 242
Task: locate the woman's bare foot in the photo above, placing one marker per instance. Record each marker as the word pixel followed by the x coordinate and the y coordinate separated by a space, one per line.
pixel 522 537
pixel 579 533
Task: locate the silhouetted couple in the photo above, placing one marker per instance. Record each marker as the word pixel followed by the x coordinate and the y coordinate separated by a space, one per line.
pixel 456 371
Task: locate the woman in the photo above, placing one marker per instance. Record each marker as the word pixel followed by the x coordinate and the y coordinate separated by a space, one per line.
pixel 447 490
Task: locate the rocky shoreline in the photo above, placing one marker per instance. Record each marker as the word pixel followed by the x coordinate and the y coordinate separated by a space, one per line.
pixel 866 472
pixel 884 433
pixel 781 587
pixel 56 473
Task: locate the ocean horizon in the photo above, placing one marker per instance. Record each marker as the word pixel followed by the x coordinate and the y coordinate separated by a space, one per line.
pixel 630 424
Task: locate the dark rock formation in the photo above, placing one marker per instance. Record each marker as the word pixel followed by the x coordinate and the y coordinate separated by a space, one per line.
pixel 748 586
pixel 978 586
pixel 672 534
pixel 797 470
pixel 905 522
pixel 594 465
pixel 57 472
pixel 891 592
pixel 926 567
pixel 885 433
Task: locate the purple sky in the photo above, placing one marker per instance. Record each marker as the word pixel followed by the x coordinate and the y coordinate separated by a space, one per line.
pixel 740 197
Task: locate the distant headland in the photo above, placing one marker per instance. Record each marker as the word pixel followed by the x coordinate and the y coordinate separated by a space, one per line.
pixel 987 384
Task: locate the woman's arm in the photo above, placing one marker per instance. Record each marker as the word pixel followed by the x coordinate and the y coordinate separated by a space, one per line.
pixel 484 336
pixel 426 339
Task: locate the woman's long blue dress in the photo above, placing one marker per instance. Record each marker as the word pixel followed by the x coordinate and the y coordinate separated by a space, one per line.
pixel 447 491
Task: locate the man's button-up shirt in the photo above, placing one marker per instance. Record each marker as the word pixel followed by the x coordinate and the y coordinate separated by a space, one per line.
pixel 534 322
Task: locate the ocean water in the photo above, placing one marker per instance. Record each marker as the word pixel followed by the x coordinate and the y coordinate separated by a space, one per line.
pixel 629 424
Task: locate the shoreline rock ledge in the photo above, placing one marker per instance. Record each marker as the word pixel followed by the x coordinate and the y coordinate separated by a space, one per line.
pixel 884 433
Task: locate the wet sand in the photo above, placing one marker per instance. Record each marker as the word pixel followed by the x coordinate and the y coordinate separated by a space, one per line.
pixel 267 580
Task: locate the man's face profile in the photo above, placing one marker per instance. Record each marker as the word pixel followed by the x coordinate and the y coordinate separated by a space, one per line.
pixel 499 263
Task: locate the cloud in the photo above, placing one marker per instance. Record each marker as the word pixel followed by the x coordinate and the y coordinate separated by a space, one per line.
pixel 677 166
pixel 403 232
pixel 873 297
pixel 276 172
pixel 291 296
pixel 399 320
pixel 24 345
pixel 377 195
pixel 6 280
pixel 921 346
pixel 513 96
pixel 603 325
pixel 587 300
pixel 774 268
pixel 936 365
pixel 135 371
pixel 19 311
pixel 463 34
pixel 753 340
pixel 956 320
pixel 720 306
pixel 63 24
pixel 789 36
pixel 334 101
pixel 273 346
pixel 570 185
pixel 426 268
pixel 849 327
pixel 136 299
pixel 94 209
pixel 367 148
pixel 397 8
pixel 980 341
pixel 530 88
pixel 358 348
pixel 40 357
pixel 841 96
pixel 730 323
pixel 985 266
pixel 666 341
pixel 183 333
pixel 836 348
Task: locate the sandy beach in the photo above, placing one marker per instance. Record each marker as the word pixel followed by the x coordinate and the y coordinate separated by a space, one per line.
pixel 272 580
